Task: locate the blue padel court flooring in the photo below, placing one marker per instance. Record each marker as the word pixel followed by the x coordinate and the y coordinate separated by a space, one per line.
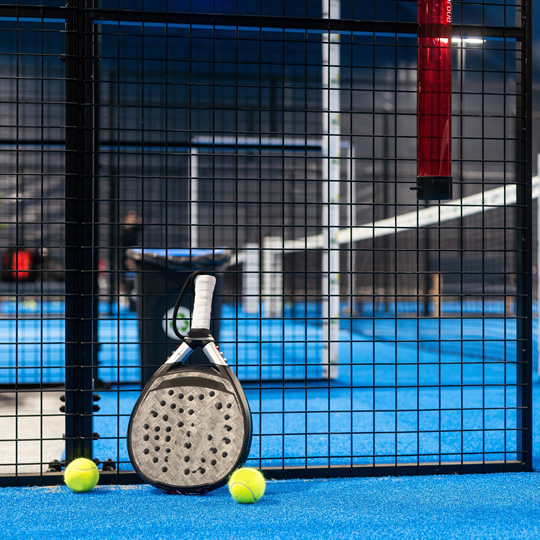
pixel 494 506
pixel 406 387
pixel 384 348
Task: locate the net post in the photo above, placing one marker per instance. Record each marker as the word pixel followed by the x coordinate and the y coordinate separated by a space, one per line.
pixel 251 279
pixel 435 294
pixel 509 298
pixel 272 292
pixel 331 161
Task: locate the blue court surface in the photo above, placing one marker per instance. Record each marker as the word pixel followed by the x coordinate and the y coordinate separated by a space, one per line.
pixel 494 506
pixel 442 388
pixel 375 348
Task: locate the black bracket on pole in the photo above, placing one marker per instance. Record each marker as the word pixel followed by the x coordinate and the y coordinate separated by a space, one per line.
pixel 433 188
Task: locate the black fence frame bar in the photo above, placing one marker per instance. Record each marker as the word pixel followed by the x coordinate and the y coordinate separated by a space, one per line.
pixel 334 25
pixel 524 287
pixel 81 224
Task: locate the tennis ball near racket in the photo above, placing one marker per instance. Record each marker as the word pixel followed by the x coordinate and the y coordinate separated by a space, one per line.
pixel 81 475
pixel 247 485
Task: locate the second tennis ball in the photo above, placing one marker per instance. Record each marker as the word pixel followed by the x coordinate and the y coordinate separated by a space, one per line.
pixel 247 485
pixel 81 475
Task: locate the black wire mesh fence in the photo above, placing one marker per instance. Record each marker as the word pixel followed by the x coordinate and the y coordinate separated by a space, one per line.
pixel 274 145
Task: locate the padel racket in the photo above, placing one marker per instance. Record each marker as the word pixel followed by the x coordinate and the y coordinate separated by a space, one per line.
pixel 191 426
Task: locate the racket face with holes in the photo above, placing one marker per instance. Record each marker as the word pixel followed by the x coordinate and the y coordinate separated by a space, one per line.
pixel 190 428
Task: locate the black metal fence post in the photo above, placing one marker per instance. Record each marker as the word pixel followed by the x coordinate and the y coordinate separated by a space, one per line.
pixel 81 263
pixel 524 237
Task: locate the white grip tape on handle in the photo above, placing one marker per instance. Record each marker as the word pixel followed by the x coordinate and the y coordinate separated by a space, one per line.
pixel 202 308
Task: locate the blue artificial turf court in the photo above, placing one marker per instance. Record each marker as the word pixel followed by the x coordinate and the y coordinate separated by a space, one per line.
pixel 388 363
pixel 498 506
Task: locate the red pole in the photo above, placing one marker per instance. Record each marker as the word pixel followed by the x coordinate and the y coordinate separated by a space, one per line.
pixel 434 158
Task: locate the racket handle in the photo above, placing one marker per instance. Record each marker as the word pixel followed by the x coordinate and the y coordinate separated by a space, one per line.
pixel 202 308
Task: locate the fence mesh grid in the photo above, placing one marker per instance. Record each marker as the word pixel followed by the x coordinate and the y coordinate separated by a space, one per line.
pixel 275 145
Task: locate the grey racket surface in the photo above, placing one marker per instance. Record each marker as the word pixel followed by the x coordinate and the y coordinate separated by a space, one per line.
pixel 190 431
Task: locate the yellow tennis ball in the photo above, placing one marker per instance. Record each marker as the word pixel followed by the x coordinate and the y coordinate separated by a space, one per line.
pixel 81 475
pixel 247 485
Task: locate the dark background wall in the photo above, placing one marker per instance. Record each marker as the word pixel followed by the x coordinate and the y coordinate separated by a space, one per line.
pixel 160 88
